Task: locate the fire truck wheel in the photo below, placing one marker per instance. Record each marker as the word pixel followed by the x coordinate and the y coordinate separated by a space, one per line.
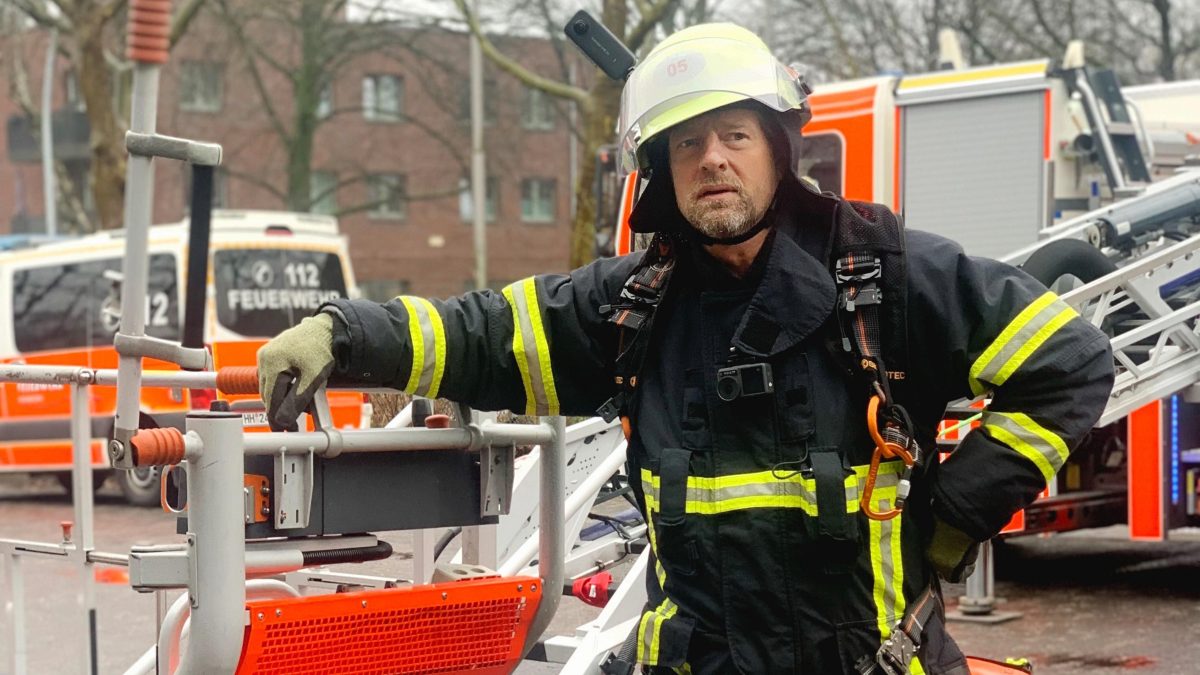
pixel 140 485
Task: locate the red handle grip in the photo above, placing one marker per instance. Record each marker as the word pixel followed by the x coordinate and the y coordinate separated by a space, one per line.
pixel 148 34
pixel 157 447
pixel 238 380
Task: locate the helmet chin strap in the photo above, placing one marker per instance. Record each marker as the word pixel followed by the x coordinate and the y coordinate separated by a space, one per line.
pixel 766 220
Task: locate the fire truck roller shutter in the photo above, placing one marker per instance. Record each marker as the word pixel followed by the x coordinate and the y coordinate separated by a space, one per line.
pixel 973 170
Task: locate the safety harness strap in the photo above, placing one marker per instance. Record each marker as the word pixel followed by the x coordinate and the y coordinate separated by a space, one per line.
pixel 634 317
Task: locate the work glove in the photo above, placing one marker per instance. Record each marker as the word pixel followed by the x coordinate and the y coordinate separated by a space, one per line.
pixel 951 551
pixel 292 366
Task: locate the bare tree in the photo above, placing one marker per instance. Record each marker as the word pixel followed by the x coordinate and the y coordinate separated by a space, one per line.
pixel 90 33
pixel 72 214
pixel 1142 40
pixel 635 23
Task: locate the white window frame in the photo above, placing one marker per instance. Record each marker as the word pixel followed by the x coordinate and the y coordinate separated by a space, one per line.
pixel 195 99
pixel 372 86
pixel 532 194
pixel 380 209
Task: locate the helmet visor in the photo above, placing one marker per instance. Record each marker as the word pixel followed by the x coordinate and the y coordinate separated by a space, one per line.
pixel 679 84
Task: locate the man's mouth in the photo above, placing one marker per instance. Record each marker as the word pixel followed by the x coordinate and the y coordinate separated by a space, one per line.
pixel 715 191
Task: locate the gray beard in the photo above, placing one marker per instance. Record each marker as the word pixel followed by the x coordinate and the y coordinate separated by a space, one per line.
pixel 721 223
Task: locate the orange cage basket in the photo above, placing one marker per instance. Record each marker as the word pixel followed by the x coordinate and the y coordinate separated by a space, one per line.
pixel 476 625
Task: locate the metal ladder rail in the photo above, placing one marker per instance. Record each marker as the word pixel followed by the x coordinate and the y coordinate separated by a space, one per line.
pixel 1174 361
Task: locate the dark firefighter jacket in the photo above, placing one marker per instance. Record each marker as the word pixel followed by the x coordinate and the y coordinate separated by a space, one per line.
pixel 744 577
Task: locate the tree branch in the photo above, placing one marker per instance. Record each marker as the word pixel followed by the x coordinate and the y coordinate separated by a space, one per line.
pixel 515 69
pixel 40 13
pixel 255 76
pixel 183 19
pixel 647 20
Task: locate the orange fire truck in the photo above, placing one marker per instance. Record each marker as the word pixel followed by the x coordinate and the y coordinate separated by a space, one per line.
pixel 1093 189
pixel 61 302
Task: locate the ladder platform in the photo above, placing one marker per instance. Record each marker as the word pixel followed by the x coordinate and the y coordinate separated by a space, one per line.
pixel 476 625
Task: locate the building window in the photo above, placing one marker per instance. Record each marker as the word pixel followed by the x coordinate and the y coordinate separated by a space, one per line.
pixel 382 97
pixel 200 86
pixel 537 200
pixel 537 110
pixel 220 189
pixel 466 201
pixel 325 102
pixel 490 93
pixel 322 192
pixel 386 192
pixel 382 290
pixel 71 93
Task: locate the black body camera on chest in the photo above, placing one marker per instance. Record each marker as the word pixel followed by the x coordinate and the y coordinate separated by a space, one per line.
pixel 749 379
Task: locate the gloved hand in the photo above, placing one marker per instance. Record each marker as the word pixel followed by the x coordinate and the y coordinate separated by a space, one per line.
pixel 292 366
pixel 951 551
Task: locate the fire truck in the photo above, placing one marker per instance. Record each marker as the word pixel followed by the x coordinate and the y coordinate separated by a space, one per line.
pixel 1092 188
pixel 61 300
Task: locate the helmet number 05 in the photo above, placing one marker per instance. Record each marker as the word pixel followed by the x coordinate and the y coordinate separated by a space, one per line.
pixel 677 67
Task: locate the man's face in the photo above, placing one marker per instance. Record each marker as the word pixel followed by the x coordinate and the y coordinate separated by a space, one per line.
pixel 723 172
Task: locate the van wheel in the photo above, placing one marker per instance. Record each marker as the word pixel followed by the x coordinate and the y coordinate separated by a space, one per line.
pixel 140 485
pixel 98 478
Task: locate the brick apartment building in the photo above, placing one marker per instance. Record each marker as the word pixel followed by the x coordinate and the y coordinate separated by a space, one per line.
pixel 391 156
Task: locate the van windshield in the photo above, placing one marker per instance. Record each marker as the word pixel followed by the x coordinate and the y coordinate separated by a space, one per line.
pixel 261 292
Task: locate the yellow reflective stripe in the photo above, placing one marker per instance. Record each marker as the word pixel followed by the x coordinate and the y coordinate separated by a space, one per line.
pixel 1019 339
pixel 713 495
pixel 418 345
pixel 439 347
pixel 1060 319
pixel 1036 443
pixel 650 631
pixel 887 564
pixel 531 348
pixel 518 347
pixel 877 582
pixel 915 668
pixel 427 335
pixel 543 347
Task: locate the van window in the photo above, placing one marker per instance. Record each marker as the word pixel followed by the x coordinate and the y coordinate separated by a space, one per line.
pixel 821 160
pixel 72 305
pixel 261 292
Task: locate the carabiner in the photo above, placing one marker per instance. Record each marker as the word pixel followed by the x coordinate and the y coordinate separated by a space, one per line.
pixel 883 449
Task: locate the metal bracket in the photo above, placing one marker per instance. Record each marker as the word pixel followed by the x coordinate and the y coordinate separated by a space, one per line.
pixel 496 470
pixel 170 147
pixel 293 487
pixel 153 568
pixel 164 350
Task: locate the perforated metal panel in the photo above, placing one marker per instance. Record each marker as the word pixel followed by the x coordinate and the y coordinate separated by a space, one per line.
pixel 973 170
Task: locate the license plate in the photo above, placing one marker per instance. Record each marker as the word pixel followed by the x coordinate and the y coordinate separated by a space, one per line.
pixel 254 419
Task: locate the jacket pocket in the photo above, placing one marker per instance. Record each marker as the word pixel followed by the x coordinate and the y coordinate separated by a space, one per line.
pixel 676 549
pixel 794 401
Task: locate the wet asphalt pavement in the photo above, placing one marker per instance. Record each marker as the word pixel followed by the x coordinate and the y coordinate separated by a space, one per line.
pixel 1091 603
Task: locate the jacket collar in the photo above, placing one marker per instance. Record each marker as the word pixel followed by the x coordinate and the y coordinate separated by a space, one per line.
pixel 796 294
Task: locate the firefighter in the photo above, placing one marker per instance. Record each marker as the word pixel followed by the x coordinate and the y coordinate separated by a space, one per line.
pixel 752 394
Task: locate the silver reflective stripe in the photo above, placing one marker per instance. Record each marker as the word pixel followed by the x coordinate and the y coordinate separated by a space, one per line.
pixel 1019 339
pixel 531 348
pixel 1033 441
pixel 429 367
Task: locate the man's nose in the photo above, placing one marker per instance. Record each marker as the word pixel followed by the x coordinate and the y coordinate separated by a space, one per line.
pixel 713 157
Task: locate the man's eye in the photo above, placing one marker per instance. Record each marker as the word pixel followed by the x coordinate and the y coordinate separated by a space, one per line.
pixel 686 143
